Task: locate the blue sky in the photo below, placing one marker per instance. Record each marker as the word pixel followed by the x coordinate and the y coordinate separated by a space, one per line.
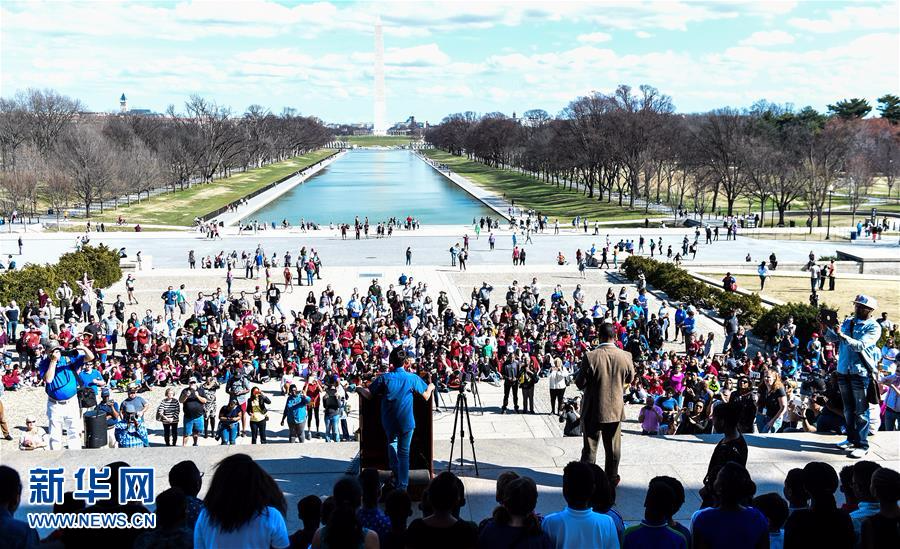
pixel 444 57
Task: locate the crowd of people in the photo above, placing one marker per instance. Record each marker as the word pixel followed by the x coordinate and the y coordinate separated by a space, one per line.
pixel 361 511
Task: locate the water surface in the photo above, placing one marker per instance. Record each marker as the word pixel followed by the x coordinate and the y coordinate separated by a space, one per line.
pixel 379 184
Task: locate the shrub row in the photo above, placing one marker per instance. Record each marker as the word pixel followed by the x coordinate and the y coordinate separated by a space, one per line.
pixel 100 263
pixel 806 318
pixel 679 285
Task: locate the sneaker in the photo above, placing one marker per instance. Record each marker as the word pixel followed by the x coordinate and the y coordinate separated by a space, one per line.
pixel 846 445
pixel 858 453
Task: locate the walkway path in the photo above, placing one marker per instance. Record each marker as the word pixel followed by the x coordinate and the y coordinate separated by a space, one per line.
pixel 490 199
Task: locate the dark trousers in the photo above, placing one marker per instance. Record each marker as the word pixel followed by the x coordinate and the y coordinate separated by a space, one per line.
pixel 611 433
pixel 170 431
pixel 856 408
pixel 296 430
pixel 209 425
pixel 258 428
pixel 528 399
pixel 556 400
pixel 514 387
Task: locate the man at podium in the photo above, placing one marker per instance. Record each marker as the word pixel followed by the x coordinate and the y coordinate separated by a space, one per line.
pixel 396 390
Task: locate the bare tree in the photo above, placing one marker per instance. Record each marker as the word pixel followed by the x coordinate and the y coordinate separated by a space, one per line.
pixel 49 113
pixel 89 160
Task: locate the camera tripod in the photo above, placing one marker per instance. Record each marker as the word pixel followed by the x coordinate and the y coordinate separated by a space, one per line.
pixel 461 417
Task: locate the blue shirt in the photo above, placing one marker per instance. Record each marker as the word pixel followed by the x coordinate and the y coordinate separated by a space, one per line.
pixel 87 379
pixel 653 536
pixel 861 347
pixel 732 529
pixel 295 408
pixel 397 390
pixel 64 385
pixel 688 326
pixel 16 533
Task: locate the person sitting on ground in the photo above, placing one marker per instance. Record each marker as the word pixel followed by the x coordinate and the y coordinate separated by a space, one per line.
pixel 370 516
pixel 244 507
pixel 883 529
pixel 514 524
pixel 185 476
pixel 604 497
pixel 823 524
pixel 33 437
pixel 171 529
pixel 398 508
pixel 678 491
pixel 578 525
pixel 654 530
pixel 795 491
pixel 15 532
pixel 344 528
pixel 441 529
pixel 862 486
pixel 775 510
pixel 309 511
pixel 731 524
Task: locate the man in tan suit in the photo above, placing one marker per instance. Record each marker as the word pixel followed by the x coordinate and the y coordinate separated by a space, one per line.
pixel 604 374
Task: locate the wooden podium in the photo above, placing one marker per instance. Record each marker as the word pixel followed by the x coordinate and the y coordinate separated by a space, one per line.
pixel 373 443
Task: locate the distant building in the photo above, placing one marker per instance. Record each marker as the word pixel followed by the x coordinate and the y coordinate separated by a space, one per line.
pixel 410 127
pixel 124 110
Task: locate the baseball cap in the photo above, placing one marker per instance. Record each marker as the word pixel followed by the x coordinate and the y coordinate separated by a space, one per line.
pixel 866 301
pixel 50 344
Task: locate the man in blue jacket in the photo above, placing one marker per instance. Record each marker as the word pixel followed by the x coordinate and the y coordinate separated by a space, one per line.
pixel 396 389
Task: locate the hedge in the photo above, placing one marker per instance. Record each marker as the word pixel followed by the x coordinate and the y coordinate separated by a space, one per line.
pixel 806 318
pixel 100 263
pixel 679 285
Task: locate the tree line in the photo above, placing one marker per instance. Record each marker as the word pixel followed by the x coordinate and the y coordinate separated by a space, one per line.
pixel 631 144
pixel 53 153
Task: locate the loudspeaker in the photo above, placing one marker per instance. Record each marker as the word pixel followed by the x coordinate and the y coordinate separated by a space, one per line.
pixel 95 429
pixel 373 443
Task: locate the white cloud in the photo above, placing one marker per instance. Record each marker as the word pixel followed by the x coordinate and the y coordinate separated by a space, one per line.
pixel 440 90
pixel 768 38
pixel 594 38
pixel 856 17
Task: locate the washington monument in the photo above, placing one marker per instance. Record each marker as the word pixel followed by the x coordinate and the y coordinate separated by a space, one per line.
pixel 380 126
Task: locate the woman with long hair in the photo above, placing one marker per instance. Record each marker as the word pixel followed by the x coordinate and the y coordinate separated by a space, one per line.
pixel 772 402
pixel 343 530
pixel 243 508
pixel 256 407
pixel 514 523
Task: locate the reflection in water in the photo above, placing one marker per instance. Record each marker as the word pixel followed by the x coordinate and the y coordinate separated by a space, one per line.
pixel 379 184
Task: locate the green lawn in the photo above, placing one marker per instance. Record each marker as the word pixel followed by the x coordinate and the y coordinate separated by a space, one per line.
pixel 181 207
pixel 530 192
pixel 376 140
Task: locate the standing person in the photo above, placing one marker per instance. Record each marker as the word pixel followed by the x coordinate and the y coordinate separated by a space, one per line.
pixel 59 374
pixel 244 507
pixel 193 400
pixel 20 245
pixel 772 403
pixel 295 413
pixel 288 280
pixel 510 373
pixel 527 380
pixel 167 413
pixel 605 373
pixel 273 297
pixel 731 448
pixel 64 297
pixel 763 273
pixel 687 328
pixel 858 337
pixel 210 386
pixel 831 272
pixel 229 422
pixel 396 390
pixel 813 277
pixel 557 380
pixel 192 260
pixel 732 523
pixel 409 255
pixel 129 288
pixel 259 415
pixel 492 240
